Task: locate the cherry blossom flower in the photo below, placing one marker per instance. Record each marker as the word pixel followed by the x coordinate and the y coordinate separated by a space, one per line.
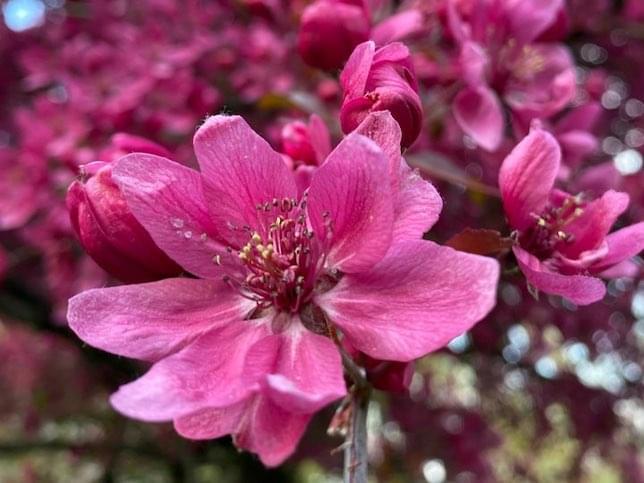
pixel 249 347
pixel 563 240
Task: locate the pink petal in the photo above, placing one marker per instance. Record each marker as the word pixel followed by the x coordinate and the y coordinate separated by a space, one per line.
pixel 529 19
pixel 480 115
pixel 417 206
pixel 348 188
pixel 582 118
pixel 579 289
pixel 211 423
pixel 474 62
pixel 210 372
pixel 353 78
pixel 527 176
pixel 151 320
pixel 383 129
pixel 165 198
pixel 576 145
pixel 622 245
pixel 418 298
pixel 308 373
pixel 240 171
pixel 257 425
pixel 401 26
pixel 320 138
pixel 592 226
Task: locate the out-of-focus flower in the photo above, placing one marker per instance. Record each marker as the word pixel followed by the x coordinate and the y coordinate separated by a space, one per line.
pixel 330 30
pixel 500 58
pixel 381 80
pixel 248 348
pixel 307 144
pixel 563 241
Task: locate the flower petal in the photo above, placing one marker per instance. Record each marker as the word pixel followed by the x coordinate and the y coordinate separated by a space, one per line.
pixel 240 171
pixel 591 227
pixel 151 320
pixel 353 78
pixel 527 176
pixel 308 373
pixel 418 298
pixel 579 289
pixel 479 113
pixel 348 196
pixel 622 245
pixel 210 372
pixel 417 206
pixel 257 425
pixel 401 26
pixel 165 197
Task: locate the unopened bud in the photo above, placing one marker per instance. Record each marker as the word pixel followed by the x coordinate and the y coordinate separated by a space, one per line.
pixel 111 235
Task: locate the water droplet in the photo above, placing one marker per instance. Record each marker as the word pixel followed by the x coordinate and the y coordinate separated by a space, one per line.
pixel 177 222
pixel 187 235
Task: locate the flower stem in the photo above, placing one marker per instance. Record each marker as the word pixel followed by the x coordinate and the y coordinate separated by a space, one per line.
pixel 355 450
pixel 355 447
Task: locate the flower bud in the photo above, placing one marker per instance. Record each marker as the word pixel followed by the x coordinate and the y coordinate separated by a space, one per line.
pixel 391 376
pixel 304 143
pixel 110 234
pixel 329 31
pixel 381 80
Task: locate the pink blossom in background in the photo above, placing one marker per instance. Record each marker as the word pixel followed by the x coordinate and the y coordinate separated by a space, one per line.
pixel 502 60
pixel 277 276
pixel 563 240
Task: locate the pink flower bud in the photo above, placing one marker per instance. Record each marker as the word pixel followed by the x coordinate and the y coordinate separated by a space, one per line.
pixel 390 376
pixel 329 31
pixel 306 143
pixel 296 142
pixel 381 80
pixel 110 234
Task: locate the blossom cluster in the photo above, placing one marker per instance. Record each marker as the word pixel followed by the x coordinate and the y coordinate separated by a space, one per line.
pixel 254 197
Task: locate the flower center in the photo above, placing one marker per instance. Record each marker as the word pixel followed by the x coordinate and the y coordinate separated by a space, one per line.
pixel 548 234
pixel 282 266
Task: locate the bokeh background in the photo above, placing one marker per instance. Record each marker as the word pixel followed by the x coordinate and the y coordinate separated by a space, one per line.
pixel 541 391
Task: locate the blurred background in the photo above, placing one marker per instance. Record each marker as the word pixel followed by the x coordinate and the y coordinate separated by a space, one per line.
pixel 541 391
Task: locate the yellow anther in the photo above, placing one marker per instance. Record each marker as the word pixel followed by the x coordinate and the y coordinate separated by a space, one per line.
pixel 578 211
pixel 562 235
pixel 541 222
pixel 266 254
pixel 256 238
pixel 260 248
pixel 243 256
pixel 247 249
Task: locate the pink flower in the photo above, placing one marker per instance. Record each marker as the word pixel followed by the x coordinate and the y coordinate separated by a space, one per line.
pixel 330 30
pixel 562 240
pixel 245 349
pixel 381 80
pixel 499 59
pixel 307 144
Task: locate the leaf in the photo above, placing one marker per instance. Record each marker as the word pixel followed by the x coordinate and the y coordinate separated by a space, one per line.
pixel 479 241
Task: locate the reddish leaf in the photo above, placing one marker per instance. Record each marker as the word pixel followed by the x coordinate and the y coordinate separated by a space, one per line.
pixel 479 241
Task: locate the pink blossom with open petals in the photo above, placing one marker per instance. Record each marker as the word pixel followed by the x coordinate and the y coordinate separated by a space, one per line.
pixel 503 62
pixel 563 241
pixel 248 348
